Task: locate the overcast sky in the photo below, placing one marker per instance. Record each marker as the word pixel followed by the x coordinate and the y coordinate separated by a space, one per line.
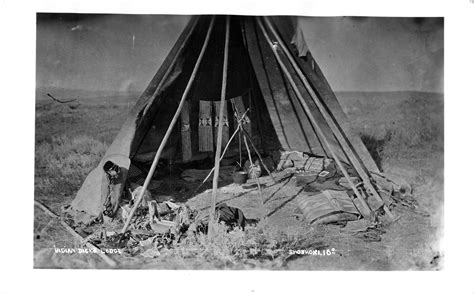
pixel 123 52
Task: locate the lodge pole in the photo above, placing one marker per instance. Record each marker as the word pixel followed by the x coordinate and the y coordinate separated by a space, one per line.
pixel 219 132
pixel 318 129
pixel 89 245
pixel 169 67
pixel 337 133
pixel 170 128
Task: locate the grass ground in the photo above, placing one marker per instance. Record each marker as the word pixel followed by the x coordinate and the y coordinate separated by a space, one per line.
pixel 403 130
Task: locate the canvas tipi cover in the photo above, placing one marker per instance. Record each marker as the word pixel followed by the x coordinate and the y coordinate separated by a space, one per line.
pixel 278 120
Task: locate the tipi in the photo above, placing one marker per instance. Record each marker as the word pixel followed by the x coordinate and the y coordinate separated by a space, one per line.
pixel 270 73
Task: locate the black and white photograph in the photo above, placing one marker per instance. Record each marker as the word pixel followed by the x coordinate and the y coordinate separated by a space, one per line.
pixel 239 146
pixel 238 142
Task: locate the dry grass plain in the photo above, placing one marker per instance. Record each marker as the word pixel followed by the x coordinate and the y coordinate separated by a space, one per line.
pixel 403 131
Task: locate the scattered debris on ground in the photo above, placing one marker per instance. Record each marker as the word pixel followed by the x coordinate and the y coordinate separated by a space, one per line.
pixel 322 196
